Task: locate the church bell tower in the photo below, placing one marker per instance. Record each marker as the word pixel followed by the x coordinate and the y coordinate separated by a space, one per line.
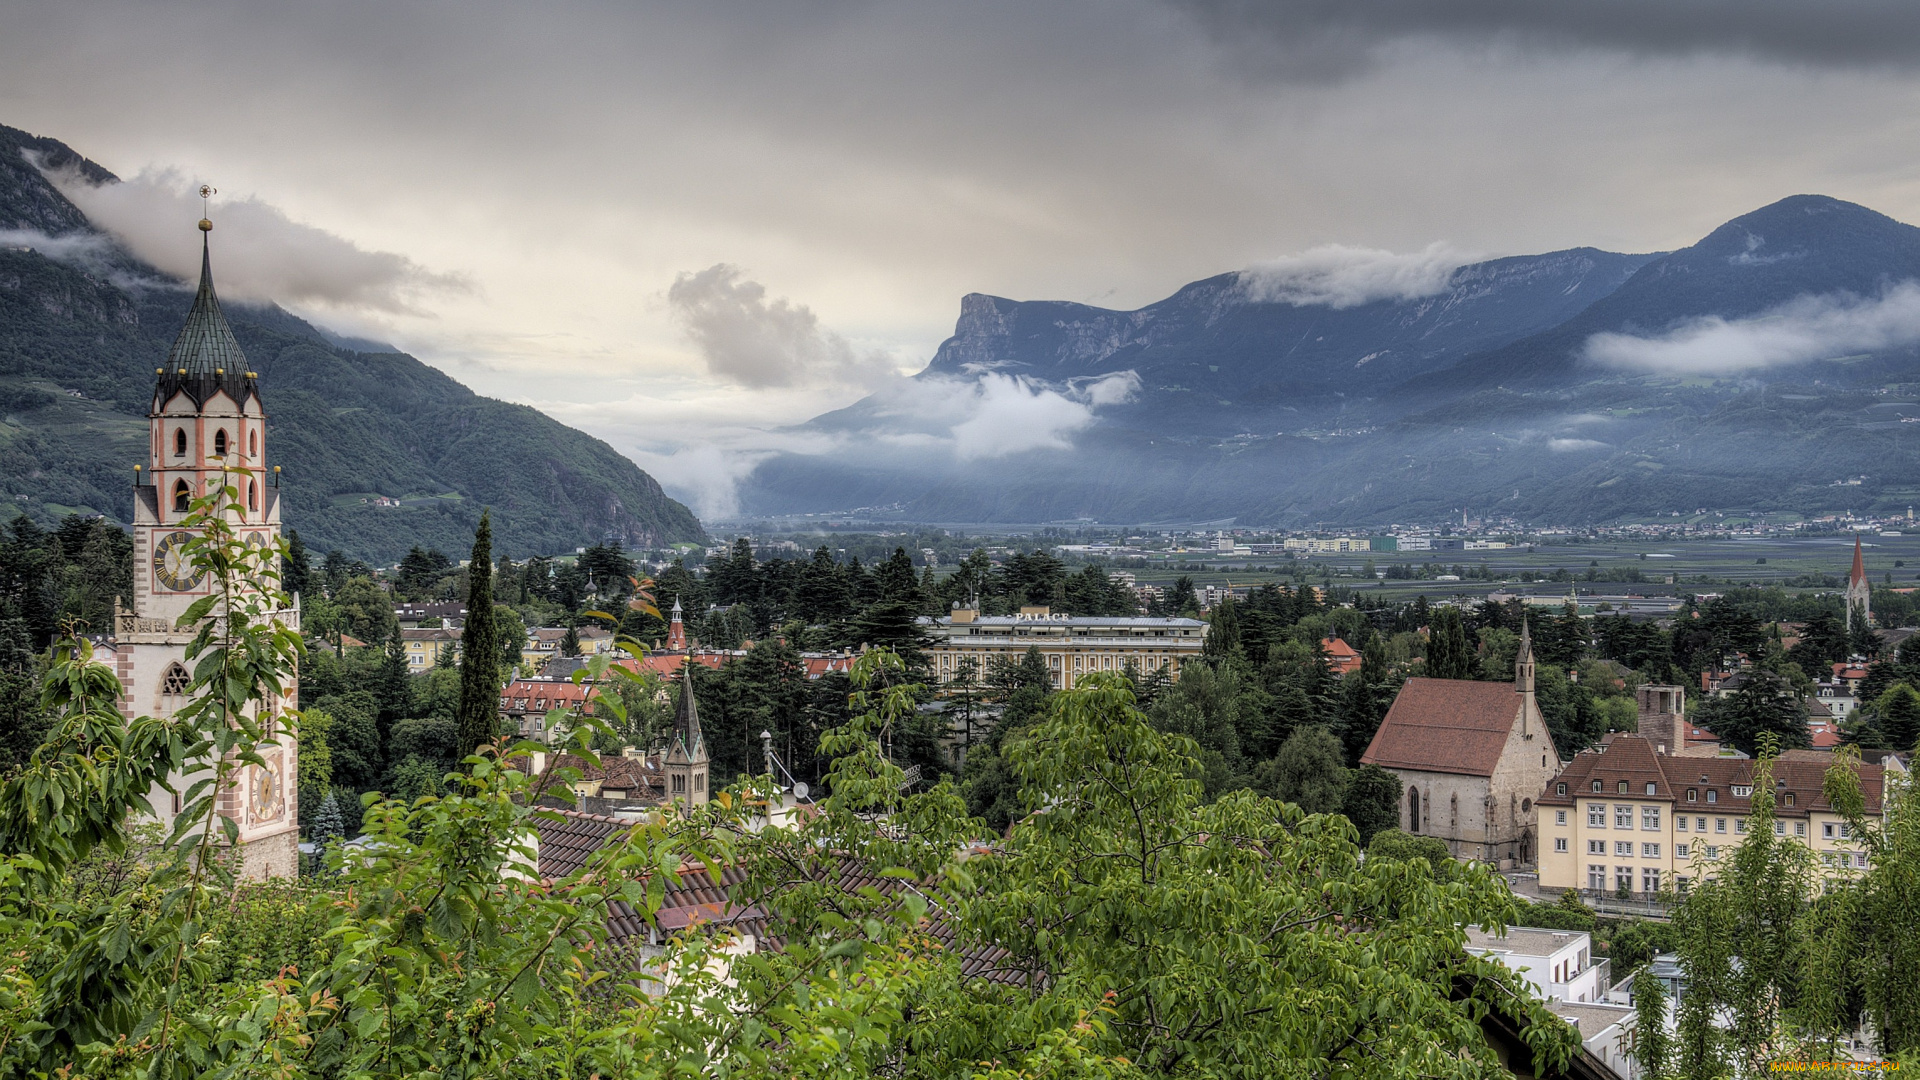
pixel 686 758
pixel 205 424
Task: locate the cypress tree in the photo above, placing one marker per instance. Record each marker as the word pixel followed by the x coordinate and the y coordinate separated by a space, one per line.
pixel 296 572
pixel 1223 636
pixel 1448 655
pixel 479 715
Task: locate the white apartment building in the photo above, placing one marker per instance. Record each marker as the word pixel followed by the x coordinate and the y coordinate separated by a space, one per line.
pixel 1558 964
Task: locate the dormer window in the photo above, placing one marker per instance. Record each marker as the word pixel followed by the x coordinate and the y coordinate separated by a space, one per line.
pixel 1742 791
pixel 1693 794
pixel 220 443
pixel 1623 787
pixel 1596 785
pixel 1559 789
pixel 1713 795
pixel 1652 787
pixel 179 442
pixel 1789 798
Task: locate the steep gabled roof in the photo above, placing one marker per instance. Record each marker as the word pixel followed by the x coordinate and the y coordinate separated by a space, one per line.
pixel 1446 726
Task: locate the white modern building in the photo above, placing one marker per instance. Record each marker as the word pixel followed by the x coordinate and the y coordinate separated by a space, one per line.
pixel 1558 964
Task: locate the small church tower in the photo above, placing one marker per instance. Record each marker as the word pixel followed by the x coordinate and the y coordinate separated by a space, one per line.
pixel 206 429
pixel 676 630
pixel 1859 591
pixel 686 761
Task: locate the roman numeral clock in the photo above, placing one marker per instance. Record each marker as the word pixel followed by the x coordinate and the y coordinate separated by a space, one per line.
pixel 171 567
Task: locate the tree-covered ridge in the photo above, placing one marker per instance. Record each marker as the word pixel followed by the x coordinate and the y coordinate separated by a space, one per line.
pixel 344 425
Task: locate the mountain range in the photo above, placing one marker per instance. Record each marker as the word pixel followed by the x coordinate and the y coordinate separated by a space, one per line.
pixel 1764 368
pixel 349 422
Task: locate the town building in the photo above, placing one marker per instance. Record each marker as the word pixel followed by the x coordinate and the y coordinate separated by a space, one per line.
pixel 1342 658
pixel 207 429
pixel 1338 545
pixel 544 643
pixel 1606 1031
pixel 423 647
pixel 1072 647
pixel 1626 817
pixel 1558 964
pixel 1472 757
pixel 634 778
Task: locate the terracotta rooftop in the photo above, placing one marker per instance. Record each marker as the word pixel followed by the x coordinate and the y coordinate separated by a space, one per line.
pixel 1343 657
pixel 1686 781
pixel 1446 726
pixel 569 838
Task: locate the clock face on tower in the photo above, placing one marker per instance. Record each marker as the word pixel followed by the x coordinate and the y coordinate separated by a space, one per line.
pixel 171 567
pixel 269 792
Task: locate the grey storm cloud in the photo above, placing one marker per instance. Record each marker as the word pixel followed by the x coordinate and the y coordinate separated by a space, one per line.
pixel 264 256
pixel 753 341
pixel 1330 38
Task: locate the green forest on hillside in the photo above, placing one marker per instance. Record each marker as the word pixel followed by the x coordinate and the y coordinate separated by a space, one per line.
pixel 80 338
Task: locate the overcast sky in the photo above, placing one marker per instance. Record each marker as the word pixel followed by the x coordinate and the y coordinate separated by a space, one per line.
pixel 678 225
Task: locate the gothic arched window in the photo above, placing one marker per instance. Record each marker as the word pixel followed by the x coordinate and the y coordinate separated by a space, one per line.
pixel 253 444
pixel 173 685
pixel 179 441
pixel 253 495
pixel 220 443
pixel 182 496
pixel 1413 810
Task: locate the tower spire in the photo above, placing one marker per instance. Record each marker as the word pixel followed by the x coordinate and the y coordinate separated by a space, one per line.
pixel 1859 590
pixel 1523 659
pixel 686 758
pixel 686 720
pixel 205 348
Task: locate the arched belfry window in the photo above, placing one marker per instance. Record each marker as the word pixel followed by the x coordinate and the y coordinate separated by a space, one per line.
pixel 220 443
pixel 179 441
pixel 182 497
pixel 253 495
pixel 253 444
pixel 173 686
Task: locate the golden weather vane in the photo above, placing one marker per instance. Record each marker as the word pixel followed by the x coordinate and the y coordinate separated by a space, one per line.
pixel 207 191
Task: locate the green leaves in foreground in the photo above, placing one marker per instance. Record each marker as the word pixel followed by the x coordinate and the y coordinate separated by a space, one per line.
pixel 1119 929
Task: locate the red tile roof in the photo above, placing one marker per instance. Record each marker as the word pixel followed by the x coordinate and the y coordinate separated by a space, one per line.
pixel 1446 726
pixel 1343 657
pixel 1631 758
pixel 569 838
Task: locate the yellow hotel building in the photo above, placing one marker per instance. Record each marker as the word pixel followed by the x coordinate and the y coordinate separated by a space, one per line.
pixel 1626 816
pixel 1072 647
